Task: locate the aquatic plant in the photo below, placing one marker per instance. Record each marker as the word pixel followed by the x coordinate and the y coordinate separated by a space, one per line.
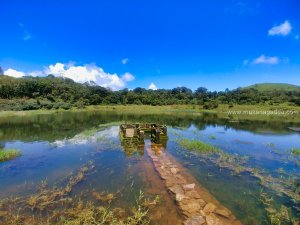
pixel 282 185
pixel 276 216
pixel 295 151
pixel 56 206
pixel 270 145
pixel 212 137
pixel 199 146
pixel 9 154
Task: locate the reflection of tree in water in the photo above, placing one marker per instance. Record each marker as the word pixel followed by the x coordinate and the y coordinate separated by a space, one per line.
pixel 67 124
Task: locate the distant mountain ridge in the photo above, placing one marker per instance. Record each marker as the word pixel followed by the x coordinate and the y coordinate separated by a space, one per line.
pixel 273 87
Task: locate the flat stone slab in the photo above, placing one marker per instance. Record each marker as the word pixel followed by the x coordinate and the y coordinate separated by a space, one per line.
pixel 176 189
pixel 188 187
pixel 209 208
pixel 195 220
pixel 223 212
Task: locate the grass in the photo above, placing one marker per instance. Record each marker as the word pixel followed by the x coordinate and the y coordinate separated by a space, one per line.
pixel 9 154
pixel 199 146
pixel 295 151
pixel 221 111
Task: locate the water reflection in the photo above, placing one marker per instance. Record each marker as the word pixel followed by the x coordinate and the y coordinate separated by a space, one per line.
pixel 67 124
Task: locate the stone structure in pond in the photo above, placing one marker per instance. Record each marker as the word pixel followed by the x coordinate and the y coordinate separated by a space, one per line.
pixel 133 136
pixel 197 205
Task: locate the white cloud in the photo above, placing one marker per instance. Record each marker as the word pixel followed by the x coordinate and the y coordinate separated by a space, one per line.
pixel 152 86
pixel 88 73
pixel 125 61
pixel 80 74
pixel 128 77
pixel 266 60
pixel 14 73
pixel 282 29
pixel 263 59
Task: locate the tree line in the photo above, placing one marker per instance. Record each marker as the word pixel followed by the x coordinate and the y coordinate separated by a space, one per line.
pixel 49 92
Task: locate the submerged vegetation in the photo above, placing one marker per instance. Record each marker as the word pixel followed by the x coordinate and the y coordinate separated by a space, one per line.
pixel 9 154
pixel 58 206
pixel 281 185
pixel 199 146
pixel 295 151
pixel 276 215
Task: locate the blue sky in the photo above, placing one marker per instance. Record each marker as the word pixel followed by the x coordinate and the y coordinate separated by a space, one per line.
pixel 216 44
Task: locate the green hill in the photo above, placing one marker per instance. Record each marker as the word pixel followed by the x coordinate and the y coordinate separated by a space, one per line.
pixel 274 86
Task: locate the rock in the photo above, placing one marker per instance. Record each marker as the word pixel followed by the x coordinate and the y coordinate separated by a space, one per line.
pixel 236 222
pixel 163 175
pixel 174 170
pixel 179 197
pixel 176 189
pixel 209 208
pixel 223 212
pixel 211 219
pixel 180 179
pixel 192 194
pixel 189 206
pixel 201 202
pixel 188 187
pixel 202 213
pixel 195 220
pixel 170 181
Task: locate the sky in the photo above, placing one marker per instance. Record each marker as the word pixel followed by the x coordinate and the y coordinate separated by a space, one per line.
pixel 153 43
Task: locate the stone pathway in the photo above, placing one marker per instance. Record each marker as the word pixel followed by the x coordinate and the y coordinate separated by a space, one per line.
pixel 195 202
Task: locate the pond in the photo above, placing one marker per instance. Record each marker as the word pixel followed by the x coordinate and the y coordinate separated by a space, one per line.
pixel 75 161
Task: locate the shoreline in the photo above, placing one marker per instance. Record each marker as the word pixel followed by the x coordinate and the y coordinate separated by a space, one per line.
pixel 237 112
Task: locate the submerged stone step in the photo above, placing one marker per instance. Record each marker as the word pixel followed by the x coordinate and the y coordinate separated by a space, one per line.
pixel 195 202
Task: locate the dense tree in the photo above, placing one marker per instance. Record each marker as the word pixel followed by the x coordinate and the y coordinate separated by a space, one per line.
pixel 51 92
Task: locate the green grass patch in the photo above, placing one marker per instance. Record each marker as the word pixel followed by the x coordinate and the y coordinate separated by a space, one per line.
pixel 9 154
pixel 295 151
pixel 199 146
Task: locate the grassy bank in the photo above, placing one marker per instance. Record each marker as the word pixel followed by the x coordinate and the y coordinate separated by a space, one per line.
pixel 235 112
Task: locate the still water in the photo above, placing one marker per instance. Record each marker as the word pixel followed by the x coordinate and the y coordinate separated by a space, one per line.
pixel 55 147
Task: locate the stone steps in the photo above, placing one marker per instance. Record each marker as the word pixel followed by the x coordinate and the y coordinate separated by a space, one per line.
pixel 197 205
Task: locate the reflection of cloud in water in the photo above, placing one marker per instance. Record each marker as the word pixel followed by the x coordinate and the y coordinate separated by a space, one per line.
pixel 92 137
pixel 112 132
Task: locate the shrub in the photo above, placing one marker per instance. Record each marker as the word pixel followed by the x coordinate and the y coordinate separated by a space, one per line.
pixel 30 104
pixel 210 105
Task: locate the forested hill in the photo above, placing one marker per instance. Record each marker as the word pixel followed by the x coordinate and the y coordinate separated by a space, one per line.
pixel 51 92
pixel 274 86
